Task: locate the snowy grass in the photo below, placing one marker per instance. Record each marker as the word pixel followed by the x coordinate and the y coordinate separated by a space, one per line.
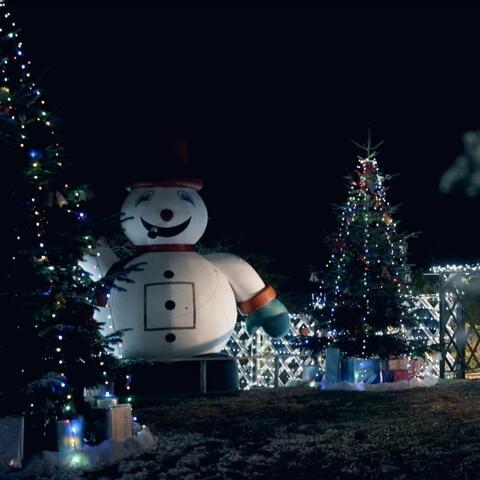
pixel 301 433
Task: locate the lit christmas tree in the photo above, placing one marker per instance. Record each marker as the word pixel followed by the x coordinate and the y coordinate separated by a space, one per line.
pixel 366 281
pixel 50 346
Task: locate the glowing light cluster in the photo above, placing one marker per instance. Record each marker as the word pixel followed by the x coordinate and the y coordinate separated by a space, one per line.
pixel 28 125
pixel 456 268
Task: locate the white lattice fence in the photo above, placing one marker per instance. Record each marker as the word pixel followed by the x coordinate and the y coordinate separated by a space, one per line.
pixel 427 310
pixel 261 371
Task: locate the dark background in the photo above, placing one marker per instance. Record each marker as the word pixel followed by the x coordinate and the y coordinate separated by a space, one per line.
pixel 270 96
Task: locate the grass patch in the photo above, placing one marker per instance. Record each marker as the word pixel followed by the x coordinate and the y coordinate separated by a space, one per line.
pixel 299 433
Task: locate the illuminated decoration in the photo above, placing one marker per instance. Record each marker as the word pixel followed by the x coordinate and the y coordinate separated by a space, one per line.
pixel 77 461
pixel 178 303
pixel 366 279
pixel 48 296
pixel 467 268
pixel 70 434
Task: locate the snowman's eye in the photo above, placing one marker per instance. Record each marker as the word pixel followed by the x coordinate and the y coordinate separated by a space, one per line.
pixel 144 197
pixel 185 196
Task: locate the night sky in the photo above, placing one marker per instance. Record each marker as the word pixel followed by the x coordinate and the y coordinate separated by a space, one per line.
pixel 270 96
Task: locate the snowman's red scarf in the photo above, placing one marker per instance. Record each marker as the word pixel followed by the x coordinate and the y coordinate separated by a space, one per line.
pixel 170 247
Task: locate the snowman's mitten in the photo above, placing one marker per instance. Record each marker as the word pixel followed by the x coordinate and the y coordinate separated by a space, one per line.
pixel 273 318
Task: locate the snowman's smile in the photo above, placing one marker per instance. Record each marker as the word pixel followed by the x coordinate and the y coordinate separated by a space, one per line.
pixel 155 231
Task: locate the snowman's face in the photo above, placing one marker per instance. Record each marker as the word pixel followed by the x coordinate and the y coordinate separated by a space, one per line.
pixel 164 215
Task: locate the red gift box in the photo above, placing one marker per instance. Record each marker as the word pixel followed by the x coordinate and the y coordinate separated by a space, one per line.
pixel 398 375
pixel 415 365
pixel 398 364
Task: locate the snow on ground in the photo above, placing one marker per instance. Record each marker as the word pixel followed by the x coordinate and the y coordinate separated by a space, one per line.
pixel 399 386
pixel 54 465
pixel 303 433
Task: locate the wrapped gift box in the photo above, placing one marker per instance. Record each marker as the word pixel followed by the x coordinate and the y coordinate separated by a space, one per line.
pixel 403 364
pixel 70 434
pixel 312 373
pixel 415 366
pixel 92 394
pixel 11 441
pixel 361 370
pixel 398 375
pixel 119 422
pixel 332 364
pixel 107 401
pixel 113 422
pixel 398 363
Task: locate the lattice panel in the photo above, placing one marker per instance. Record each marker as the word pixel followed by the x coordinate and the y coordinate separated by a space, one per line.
pixel 261 371
pixel 472 359
pixel 461 336
pixel 427 310
pixel 454 356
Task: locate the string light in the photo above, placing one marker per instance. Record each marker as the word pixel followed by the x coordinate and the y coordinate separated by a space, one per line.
pixel 456 268
pixel 365 209
pixel 33 130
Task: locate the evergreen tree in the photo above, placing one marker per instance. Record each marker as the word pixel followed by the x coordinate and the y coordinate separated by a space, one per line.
pixel 50 345
pixel 366 280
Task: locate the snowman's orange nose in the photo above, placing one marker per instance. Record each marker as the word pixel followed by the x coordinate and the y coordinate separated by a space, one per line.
pixel 166 214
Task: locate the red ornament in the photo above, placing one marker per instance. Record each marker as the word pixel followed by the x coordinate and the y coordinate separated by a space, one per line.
pixel 6 109
pixel 304 331
pixel 368 168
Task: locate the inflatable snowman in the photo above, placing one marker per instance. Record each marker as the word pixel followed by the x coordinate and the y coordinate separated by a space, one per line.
pixel 179 303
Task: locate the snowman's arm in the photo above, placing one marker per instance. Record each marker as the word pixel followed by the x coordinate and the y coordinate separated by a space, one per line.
pixel 249 289
pixel 255 299
pixel 99 261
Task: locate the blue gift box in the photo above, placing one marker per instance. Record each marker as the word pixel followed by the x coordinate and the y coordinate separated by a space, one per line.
pixel 70 434
pixel 332 364
pixel 312 373
pixel 361 370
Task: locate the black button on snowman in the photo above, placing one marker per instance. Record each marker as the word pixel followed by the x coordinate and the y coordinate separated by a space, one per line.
pixel 181 303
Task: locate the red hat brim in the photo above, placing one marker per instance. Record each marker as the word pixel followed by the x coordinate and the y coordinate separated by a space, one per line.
pixel 194 183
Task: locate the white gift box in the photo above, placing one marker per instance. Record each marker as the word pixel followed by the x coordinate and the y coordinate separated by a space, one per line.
pixel 107 401
pixel 119 422
pixel 11 441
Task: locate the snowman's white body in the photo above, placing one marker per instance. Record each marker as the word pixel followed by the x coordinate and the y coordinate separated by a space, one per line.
pixel 179 303
pixel 178 296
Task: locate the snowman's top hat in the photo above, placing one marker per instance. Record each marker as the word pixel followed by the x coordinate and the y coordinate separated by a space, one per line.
pixel 177 166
